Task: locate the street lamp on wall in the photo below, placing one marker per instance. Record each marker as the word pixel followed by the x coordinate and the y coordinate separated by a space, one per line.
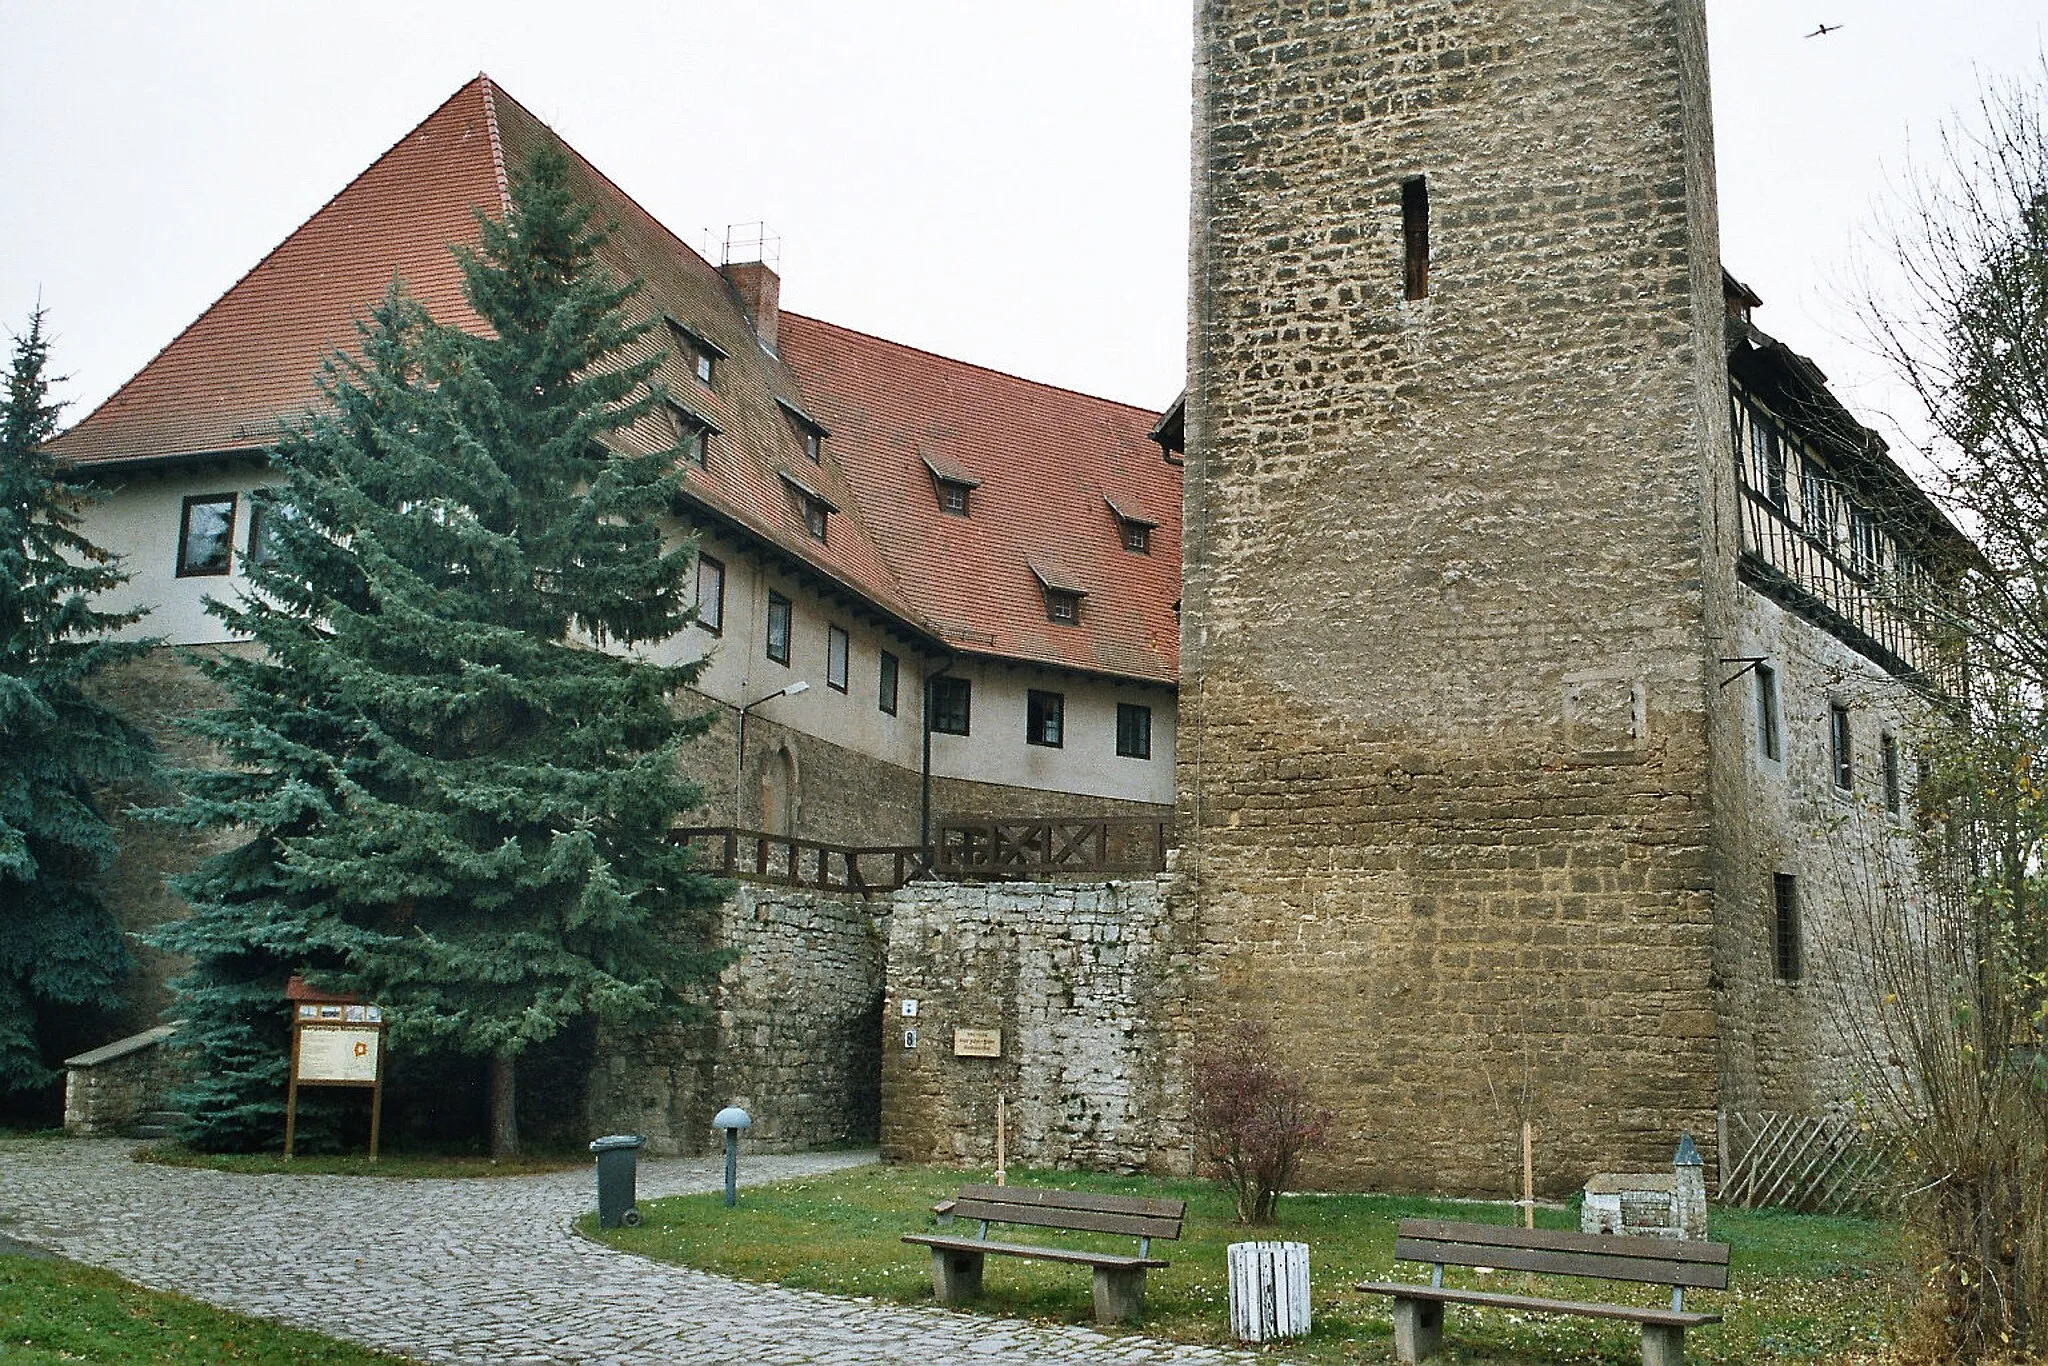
pixel 739 763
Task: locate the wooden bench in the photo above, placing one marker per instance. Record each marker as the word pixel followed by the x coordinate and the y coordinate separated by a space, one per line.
pixel 1119 1277
pixel 1677 1262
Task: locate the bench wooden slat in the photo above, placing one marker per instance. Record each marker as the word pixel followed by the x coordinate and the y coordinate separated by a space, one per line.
pixel 1089 1200
pixel 1669 1318
pixel 1120 1261
pixel 1561 1240
pixel 1087 1221
pixel 1692 1275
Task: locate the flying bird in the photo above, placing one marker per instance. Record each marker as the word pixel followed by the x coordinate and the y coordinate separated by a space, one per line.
pixel 1825 29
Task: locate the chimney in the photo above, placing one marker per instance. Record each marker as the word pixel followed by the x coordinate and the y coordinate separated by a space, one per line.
pixel 760 291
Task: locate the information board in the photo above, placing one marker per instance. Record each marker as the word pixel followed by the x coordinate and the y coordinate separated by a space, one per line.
pixel 338 1055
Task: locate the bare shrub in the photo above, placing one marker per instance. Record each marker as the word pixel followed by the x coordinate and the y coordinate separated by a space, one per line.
pixel 1253 1117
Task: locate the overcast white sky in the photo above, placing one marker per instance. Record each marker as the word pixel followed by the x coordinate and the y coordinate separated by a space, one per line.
pixel 1003 182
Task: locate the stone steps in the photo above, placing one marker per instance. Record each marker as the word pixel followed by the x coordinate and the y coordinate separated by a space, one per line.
pixel 157 1124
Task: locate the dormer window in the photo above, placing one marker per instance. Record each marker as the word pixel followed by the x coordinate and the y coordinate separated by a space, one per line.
pixel 812 506
pixel 951 483
pixel 693 434
pixel 1134 528
pixel 808 429
pixel 1063 593
pixel 700 352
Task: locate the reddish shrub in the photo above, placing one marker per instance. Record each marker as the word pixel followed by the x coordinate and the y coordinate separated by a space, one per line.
pixel 1253 1118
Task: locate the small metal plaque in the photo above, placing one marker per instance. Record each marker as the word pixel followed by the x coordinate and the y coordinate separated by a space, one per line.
pixel 977 1043
pixel 910 1008
pixel 910 1038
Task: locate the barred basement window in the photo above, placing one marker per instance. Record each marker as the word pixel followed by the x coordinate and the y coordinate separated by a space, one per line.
pixel 1767 729
pixel 1790 952
pixel 1841 748
pixel 1045 718
pixel 1415 238
pixel 1133 731
pixel 711 595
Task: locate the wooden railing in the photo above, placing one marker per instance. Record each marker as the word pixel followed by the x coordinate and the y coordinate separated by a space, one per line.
pixel 786 861
pixel 1785 562
pixel 965 851
pixel 998 850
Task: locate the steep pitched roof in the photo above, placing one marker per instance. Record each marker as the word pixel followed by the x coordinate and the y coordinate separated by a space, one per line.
pixel 1052 463
pixel 1049 466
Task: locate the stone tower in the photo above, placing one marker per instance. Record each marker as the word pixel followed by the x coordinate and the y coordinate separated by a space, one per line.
pixel 1457 425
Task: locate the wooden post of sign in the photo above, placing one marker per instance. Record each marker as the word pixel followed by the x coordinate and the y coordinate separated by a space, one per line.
pixel 1528 1177
pixel 377 1096
pixel 291 1096
pixel 1002 1161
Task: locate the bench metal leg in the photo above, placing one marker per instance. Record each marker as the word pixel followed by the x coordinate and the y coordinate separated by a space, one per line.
pixel 1663 1345
pixel 1418 1329
pixel 1119 1294
pixel 956 1276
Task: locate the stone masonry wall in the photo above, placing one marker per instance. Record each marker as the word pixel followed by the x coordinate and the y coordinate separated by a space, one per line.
pixel 1089 986
pixel 790 1033
pixel 1444 731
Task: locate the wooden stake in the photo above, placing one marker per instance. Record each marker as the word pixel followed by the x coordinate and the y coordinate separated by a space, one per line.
pixel 1528 1177
pixel 291 1095
pixel 1002 1119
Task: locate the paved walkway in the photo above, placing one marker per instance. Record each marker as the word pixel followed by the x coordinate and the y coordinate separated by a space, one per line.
pixel 485 1270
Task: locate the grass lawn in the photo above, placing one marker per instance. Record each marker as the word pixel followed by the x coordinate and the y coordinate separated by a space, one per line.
pixel 1804 1288
pixel 52 1311
pixel 415 1165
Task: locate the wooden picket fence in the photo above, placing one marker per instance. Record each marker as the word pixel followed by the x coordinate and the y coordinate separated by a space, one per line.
pixel 1817 1164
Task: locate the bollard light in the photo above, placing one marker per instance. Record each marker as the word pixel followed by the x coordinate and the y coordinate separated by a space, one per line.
pixel 732 1119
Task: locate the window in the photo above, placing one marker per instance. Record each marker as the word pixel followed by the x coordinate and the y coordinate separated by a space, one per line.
pixel 1768 738
pixel 1768 460
pixel 952 497
pixel 263 532
pixel 699 352
pixel 886 699
pixel 1415 238
pixel 1841 754
pixel 711 595
pixel 1133 730
pixel 835 658
pixel 1791 960
pixel 814 518
pixel 778 628
pixel 1045 718
pixel 1061 606
pixel 808 430
pixel 814 446
pixel 1888 759
pixel 206 528
pixel 693 435
pixel 1138 538
pixel 707 365
pixel 1816 503
pixel 1866 545
pixel 951 704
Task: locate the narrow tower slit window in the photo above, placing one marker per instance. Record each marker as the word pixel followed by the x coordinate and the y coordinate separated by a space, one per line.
pixel 1791 958
pixel 1888 756
pixel 1415 237
pixel 1767 728
pixel 1841 748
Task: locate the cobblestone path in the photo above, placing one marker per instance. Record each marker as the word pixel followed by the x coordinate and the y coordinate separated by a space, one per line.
pixel 486 1269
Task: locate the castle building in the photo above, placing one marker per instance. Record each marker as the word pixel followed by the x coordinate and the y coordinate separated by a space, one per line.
pixel 871 518
pixel 1546 659
pixel 1527 653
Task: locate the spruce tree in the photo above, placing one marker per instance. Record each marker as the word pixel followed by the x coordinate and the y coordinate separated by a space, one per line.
pixel 59 944
pixel 456 775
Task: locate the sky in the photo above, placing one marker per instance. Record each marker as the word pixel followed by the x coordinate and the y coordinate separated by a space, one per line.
pixel 1000 180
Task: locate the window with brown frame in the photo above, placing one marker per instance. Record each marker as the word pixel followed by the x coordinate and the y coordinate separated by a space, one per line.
pixel 1062 607
pixel 1045 718
pixel 206 533
pixel 711 595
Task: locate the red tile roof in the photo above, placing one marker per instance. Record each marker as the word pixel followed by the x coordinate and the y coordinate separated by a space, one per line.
pixel 1052 465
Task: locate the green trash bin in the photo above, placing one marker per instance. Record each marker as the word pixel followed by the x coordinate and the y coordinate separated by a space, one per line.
pixel 618 1161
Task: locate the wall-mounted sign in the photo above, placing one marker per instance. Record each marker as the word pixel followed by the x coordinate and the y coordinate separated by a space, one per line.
pixel 977 1043
pixel 910 1038
pixel 910 1007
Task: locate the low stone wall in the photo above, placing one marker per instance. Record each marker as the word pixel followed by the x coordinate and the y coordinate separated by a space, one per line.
pixel 109 1089
pixel 790 1033
pixel 1090 986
